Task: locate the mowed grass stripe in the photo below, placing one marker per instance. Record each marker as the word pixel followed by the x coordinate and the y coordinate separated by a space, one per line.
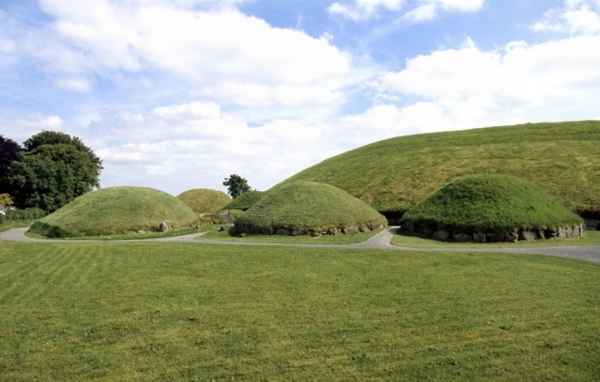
pixel 185 312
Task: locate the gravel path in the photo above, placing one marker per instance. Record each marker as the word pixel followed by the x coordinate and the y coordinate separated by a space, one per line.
pixel 381 241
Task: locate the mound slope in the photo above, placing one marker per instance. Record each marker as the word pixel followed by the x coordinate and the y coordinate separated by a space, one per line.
pixel 302 208
pixel 245 201
pixel 397 174
pixel 205 201
pixel 492 208
pixel 115 211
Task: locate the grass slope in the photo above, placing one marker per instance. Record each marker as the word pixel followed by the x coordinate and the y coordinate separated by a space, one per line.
pixel 116 210
pixel 245 201
pixel 307 206
pixel 157 312
pixel 205 201
pixel 490 203
pixel 399 173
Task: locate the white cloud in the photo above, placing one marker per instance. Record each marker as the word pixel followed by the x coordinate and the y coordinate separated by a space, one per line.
pixel 79 85
pixel 576 17
pixel 207 46
pixel 25 127
pixel 422 10
pixel 470 87
pixel 364 9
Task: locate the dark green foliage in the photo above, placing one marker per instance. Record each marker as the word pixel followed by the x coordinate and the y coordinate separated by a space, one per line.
pixel 307 207
pixel 50 176
pixel 9 152
pixel 489 203
pixel 236 185
pixel 397 174
pixel 245 201
pixel 116 210
pixel 25 214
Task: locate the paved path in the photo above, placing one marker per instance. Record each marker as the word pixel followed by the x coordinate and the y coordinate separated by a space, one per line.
pixel 381 241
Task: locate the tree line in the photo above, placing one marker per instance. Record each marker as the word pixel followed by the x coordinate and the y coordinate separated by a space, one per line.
pixel 48 171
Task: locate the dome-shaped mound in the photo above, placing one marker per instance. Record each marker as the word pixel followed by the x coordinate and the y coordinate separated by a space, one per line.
pixel 245 201
pixel 303 208
pixel 115 211
pixel 492 208
pixel 205 201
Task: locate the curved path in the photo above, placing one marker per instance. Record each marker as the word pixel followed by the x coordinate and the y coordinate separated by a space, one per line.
pixel 381 241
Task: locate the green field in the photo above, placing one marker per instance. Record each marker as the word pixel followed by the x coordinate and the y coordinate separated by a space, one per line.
pixel 397 174
pixel 192 312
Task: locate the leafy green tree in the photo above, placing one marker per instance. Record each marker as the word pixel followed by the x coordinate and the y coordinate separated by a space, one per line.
pixel 9 153
pixel 55 169
pixel 236 185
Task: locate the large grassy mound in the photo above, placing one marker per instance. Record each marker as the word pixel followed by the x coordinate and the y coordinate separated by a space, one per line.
pixel 301 208
pixel 205 201
pixel 116 210
pixel 397 174
pixel 492 208
pixel 245 201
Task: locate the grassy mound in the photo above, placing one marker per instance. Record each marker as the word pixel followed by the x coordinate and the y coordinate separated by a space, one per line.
pixel 302 208
pixel 245 201
pixel 116 210
pixel 492 208
pixel 205 201
pixel 397 174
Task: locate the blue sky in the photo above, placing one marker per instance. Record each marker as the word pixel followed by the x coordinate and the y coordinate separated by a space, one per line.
pixel 179 94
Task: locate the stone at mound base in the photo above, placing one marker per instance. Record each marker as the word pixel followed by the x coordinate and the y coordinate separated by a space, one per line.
pixel 492 208
pixel 308 208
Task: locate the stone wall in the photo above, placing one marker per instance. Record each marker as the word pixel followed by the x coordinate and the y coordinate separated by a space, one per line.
pixel 244 228
pixel 455 235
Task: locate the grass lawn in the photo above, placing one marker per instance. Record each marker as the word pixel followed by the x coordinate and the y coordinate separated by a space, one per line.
pixel 590 238
pixel 325 239
pixel 192 312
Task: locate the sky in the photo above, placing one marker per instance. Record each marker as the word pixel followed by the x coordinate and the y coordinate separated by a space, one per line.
pixel 178 94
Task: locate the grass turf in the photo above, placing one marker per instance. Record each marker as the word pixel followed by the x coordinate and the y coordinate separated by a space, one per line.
pixel 114 211
pixel 245 201
pixel 205 201
pixel 490 203
pixel 14 224
pixel 399 173
pixel 190 312
pixel 307 206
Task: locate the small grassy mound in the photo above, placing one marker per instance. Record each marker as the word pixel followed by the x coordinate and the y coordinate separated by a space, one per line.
pixel 302 208
pixel 117 210
pixel 492 208
pixel 245 201
pixel 205 201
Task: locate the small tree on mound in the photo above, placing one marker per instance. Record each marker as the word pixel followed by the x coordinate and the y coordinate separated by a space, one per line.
pixel 236 185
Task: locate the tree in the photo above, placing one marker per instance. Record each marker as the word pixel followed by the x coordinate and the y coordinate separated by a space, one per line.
pixel 9 153
pixel 55 169
pixel 236 185
pixel 5 201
